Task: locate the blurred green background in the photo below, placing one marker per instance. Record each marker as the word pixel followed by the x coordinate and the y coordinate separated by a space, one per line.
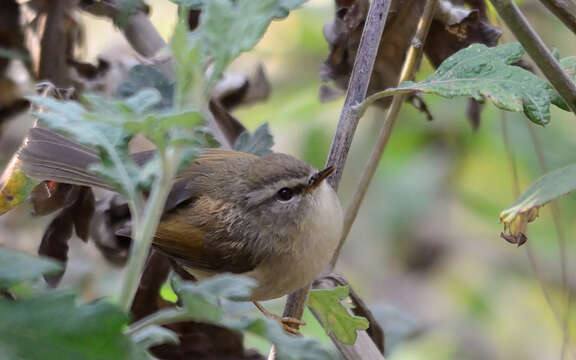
pixel 425 251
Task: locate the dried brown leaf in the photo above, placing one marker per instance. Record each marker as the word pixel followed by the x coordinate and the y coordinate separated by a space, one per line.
pixel 456 27
pixel 77 203
pixel 343 35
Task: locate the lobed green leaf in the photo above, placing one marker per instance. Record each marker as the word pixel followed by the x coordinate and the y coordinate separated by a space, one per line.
pixel 335 317
pixel 483 72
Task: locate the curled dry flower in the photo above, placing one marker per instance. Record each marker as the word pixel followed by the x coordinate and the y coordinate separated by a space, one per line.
pixel 515 225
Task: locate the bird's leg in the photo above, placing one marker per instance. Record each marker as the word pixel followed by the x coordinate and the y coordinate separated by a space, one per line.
pixel 289 324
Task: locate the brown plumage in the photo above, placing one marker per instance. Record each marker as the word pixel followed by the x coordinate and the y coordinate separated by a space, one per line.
pixel 227 211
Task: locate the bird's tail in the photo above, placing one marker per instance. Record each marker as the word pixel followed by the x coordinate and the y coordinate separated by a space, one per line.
pixel 46 155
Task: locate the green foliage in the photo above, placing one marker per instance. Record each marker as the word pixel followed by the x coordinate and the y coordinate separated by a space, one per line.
pixel 103 129
pixel 547 188
pixel 569 66
pixel 154 335
pixel 288 347
pixel 142 77
pixel 201 302
pixel 187 66
pixel 51 326
pixel 228 28
pixel 18 267
pixel 335 317
pixel 260 143
pixel 482 72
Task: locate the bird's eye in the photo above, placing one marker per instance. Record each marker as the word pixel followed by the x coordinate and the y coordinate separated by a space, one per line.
pixel 285 194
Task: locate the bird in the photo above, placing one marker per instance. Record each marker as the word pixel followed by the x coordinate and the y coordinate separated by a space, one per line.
pixel 272 218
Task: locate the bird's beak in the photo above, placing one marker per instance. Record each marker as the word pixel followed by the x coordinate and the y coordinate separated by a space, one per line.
pixel 317 178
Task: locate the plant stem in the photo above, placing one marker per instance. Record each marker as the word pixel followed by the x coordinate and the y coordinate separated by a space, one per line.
pixel 537 50
pixel 144 227
pixel 357 88
pixel 561 237
pixel 564 10
pixel 162 317
pixel 410 64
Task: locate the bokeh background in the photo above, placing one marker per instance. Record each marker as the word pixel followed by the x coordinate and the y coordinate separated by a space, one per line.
pixel 425 251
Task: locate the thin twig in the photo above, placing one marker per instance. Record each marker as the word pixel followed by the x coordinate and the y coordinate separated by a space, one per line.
pixel 537 50
pixel 529 253
pixel 357 88
pixel 561 237
pixel 564 10
pixel 410 64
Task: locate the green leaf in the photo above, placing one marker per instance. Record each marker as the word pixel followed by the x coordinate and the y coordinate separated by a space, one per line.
pixel 154 335
pixel 16 267
pixel 201 299
pixel 486 73
pixel 260 143
pixel 228 28
pixel 569 66
pixel 335 317
pixel 288 347
pixel 51 326
pixel 101 129
pixel 187 64
pixel 141 77
pixel 547 188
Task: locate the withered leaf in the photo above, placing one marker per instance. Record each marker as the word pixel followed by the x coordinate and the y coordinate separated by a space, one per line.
pixel 55 244
pixel 343 36
pixel 77 210
pixel 454 28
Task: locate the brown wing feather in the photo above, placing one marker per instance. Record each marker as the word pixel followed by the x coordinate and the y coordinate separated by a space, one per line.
pixel 187 231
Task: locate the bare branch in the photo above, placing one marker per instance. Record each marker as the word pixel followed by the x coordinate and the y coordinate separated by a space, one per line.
pixel 357 88
pixel 410 64
pixel 564 10
pixel 537 50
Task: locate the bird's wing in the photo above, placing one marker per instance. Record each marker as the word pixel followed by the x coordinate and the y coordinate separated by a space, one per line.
pixel 190 230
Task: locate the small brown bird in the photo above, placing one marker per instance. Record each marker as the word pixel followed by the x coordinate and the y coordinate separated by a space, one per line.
pixel 272 218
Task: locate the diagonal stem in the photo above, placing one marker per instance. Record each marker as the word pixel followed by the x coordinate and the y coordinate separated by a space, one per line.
pixel 357 88
pixel 410 64
pixel 537 50
pixel 564 10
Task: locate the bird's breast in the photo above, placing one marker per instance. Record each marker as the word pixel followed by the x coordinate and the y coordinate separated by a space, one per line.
pixel 308 254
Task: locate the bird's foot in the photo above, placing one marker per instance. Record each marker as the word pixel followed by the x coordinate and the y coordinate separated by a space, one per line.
pixel 289 324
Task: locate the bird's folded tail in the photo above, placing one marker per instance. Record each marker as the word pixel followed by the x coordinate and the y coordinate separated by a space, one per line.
pixel 46 155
